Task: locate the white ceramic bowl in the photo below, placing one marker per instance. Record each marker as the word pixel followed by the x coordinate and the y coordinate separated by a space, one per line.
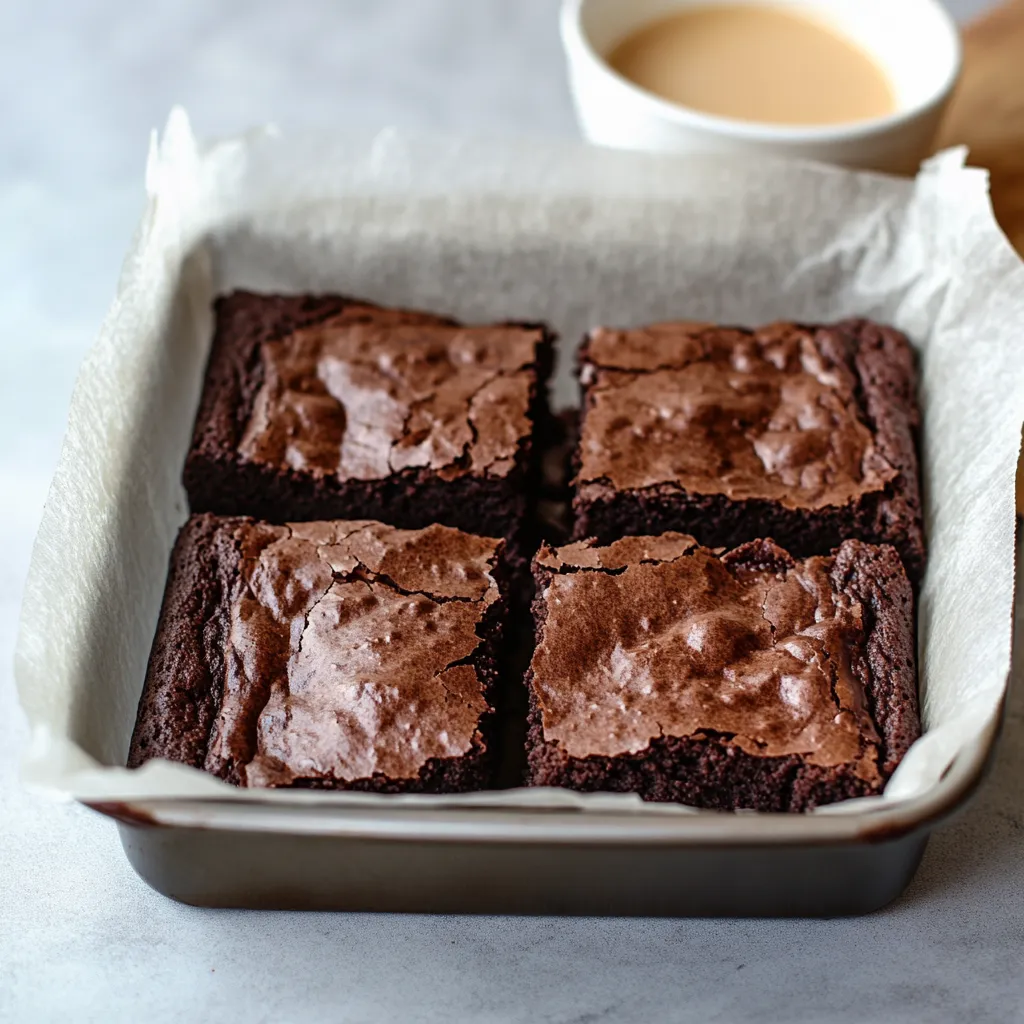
pixel 915 41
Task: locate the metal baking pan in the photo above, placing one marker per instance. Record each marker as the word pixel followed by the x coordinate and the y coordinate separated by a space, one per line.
pixel 208 854
pixel 582 237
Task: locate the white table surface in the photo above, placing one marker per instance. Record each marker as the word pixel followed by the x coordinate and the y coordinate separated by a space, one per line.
pixel 81 938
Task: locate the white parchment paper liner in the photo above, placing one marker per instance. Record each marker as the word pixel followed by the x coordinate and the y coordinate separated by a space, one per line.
pixel 489 230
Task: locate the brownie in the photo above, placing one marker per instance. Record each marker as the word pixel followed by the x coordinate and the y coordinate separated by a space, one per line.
pixel 323 407
pixel 339 655
pixel 741 680
pixel 806 434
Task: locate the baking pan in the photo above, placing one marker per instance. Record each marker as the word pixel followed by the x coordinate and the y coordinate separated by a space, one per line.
pixel 572 236
pixel 548 863
pixel 479 861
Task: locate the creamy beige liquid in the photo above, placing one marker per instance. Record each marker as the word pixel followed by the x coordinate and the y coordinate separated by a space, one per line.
pixel 756 63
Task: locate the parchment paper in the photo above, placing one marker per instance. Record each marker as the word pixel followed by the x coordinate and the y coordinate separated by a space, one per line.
pixel 528 230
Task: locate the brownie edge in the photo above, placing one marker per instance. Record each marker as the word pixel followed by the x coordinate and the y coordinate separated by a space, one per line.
pixel 185 674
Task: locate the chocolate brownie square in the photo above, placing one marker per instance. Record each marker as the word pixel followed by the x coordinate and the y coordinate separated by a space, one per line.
pixel 742 680
pixel 337 655
pixel 322 407
pixel 805 434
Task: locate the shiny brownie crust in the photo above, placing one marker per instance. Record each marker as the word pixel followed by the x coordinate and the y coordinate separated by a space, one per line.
pixel 220 480
pixel 882 362
pixel 184 691
pixel 707 768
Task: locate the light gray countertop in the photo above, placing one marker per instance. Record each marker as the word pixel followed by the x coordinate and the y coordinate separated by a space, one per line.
pixel 81 938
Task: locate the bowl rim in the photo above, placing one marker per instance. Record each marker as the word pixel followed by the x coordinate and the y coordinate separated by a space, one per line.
pixel 577 45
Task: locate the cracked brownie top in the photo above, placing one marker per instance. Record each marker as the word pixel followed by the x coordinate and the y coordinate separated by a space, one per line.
pixel 657 636
pixel 774 413
pixel 350 651
pixel 371 392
